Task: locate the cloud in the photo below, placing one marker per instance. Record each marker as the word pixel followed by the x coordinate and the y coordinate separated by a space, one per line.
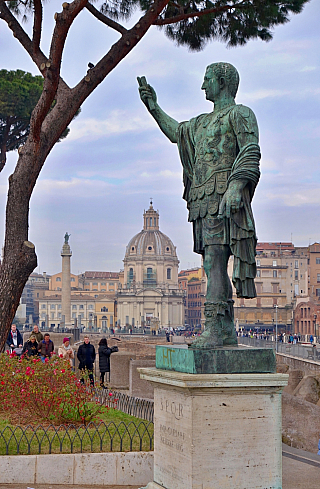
pixel 119 122
pixel 163 173
pixel 265 93
pixel 74 186
pixel 297 197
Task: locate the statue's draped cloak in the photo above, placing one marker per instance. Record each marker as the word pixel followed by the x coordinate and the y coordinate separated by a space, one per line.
pixel 242 236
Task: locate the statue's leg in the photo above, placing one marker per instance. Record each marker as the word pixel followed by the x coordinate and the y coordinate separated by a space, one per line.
pixel 219 324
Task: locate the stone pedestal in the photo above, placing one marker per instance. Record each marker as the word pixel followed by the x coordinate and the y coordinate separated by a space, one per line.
pixel 216 431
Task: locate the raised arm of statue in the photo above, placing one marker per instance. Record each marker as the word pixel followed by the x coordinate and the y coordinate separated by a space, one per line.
pixel 167 124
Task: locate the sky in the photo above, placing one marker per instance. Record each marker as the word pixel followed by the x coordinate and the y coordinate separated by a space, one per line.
pixel 97 182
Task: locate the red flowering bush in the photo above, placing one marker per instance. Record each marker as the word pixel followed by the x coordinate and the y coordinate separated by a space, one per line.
pixel 36 392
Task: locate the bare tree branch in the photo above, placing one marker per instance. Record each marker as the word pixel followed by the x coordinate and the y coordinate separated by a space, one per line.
pixel 190 15
pixel 64 21
pixel 37 25
pixel 118 51
pixel 19 33
pixel 103 18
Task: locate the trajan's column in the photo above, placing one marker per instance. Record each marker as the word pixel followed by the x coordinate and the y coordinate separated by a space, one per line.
pixel 66 287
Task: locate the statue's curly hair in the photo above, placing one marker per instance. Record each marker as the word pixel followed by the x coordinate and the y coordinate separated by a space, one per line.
pixel 229 73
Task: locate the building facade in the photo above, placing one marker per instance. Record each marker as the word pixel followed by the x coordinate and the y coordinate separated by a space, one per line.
pixel 150 288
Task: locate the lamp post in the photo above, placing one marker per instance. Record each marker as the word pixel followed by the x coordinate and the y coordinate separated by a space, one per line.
pixel 276 306
pixel 315 328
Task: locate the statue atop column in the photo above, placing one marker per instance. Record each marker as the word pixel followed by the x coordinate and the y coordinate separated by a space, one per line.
pixel 66 238
pixel 220 155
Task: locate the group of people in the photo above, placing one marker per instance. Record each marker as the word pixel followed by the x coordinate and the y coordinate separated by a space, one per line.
pixel 42 346
pixel 38 345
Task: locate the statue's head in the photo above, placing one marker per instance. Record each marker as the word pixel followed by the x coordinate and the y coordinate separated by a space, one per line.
pixel 226 76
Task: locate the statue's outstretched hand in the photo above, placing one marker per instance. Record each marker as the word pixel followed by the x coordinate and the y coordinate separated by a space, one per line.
pixel 232 200
pixel 147 93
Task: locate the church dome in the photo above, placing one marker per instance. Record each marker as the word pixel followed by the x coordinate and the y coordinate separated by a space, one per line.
pixel 150 241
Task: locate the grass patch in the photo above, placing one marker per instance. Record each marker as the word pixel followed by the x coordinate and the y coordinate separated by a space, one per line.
pixel 114 431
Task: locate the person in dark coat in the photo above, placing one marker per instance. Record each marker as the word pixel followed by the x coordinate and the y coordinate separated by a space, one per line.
pixel 86 355
pixel 104 359
pixel 30 348
pixel 14 339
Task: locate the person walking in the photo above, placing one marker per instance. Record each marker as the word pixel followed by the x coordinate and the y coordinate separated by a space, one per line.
pixel 104 359
pixel 86 355
pixel 30 348
pixel 14 339
pixel 37 333
pixel 65 351
pixel 45 348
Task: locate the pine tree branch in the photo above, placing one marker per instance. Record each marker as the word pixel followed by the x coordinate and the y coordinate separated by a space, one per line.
pixel 37 25
pixel 19 33
pixel 106 20
pixel 51 69
pixel 178 18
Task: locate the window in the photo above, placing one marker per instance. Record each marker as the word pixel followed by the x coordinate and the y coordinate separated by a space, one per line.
pixel 296 264
pixel 318 278
pixel 259 288
pixel 296 289
pixel 103 290
pixel 58 279
pixel 296 274
pixel 274 273
pixel 52 315
pixel 318 292
pixel 59 306
pixel 72 279
pixel 168 273
pixel 74 306
pixel 274 263
pixel 81 306
pixel 274 288
pixel 110 283
pixel 258 301
pixel 52 306
pixel 258 263
pixel 149 273
pixel 318 261
pixel 74 315
pixel 103 283
pixel 130 273
pixel 149 248
pixel 87 283
pixel 82 315
pixel 43 306
pixel 43 315
pixel 59 315
pixel 95 283
pixel 275 301
pixel 90 306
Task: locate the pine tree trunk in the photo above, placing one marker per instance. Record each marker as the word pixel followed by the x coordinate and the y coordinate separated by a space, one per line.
pixel 19 257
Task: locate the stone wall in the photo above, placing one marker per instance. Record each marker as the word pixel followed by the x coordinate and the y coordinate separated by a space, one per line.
pixel 83 469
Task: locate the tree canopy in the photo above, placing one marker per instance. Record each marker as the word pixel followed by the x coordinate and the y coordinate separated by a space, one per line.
pixel 19 94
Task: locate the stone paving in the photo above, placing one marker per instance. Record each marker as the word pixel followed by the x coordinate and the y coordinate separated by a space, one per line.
pixel 301 470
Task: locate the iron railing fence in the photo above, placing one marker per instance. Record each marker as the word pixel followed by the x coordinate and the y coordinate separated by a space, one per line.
pixel 135 406
pixel 92 438
pixel 295 350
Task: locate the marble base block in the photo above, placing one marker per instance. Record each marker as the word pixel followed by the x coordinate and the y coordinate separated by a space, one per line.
pixel 216 431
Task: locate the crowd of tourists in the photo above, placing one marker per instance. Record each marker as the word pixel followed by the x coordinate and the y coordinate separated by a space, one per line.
pixel 40 345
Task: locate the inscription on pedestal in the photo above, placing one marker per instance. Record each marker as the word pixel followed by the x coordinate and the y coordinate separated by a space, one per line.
pixel 172 440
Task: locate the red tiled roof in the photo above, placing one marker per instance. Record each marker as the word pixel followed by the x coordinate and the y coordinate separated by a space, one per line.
pixel 105 275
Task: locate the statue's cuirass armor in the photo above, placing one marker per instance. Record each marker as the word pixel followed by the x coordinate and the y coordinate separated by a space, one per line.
pixel 215 151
